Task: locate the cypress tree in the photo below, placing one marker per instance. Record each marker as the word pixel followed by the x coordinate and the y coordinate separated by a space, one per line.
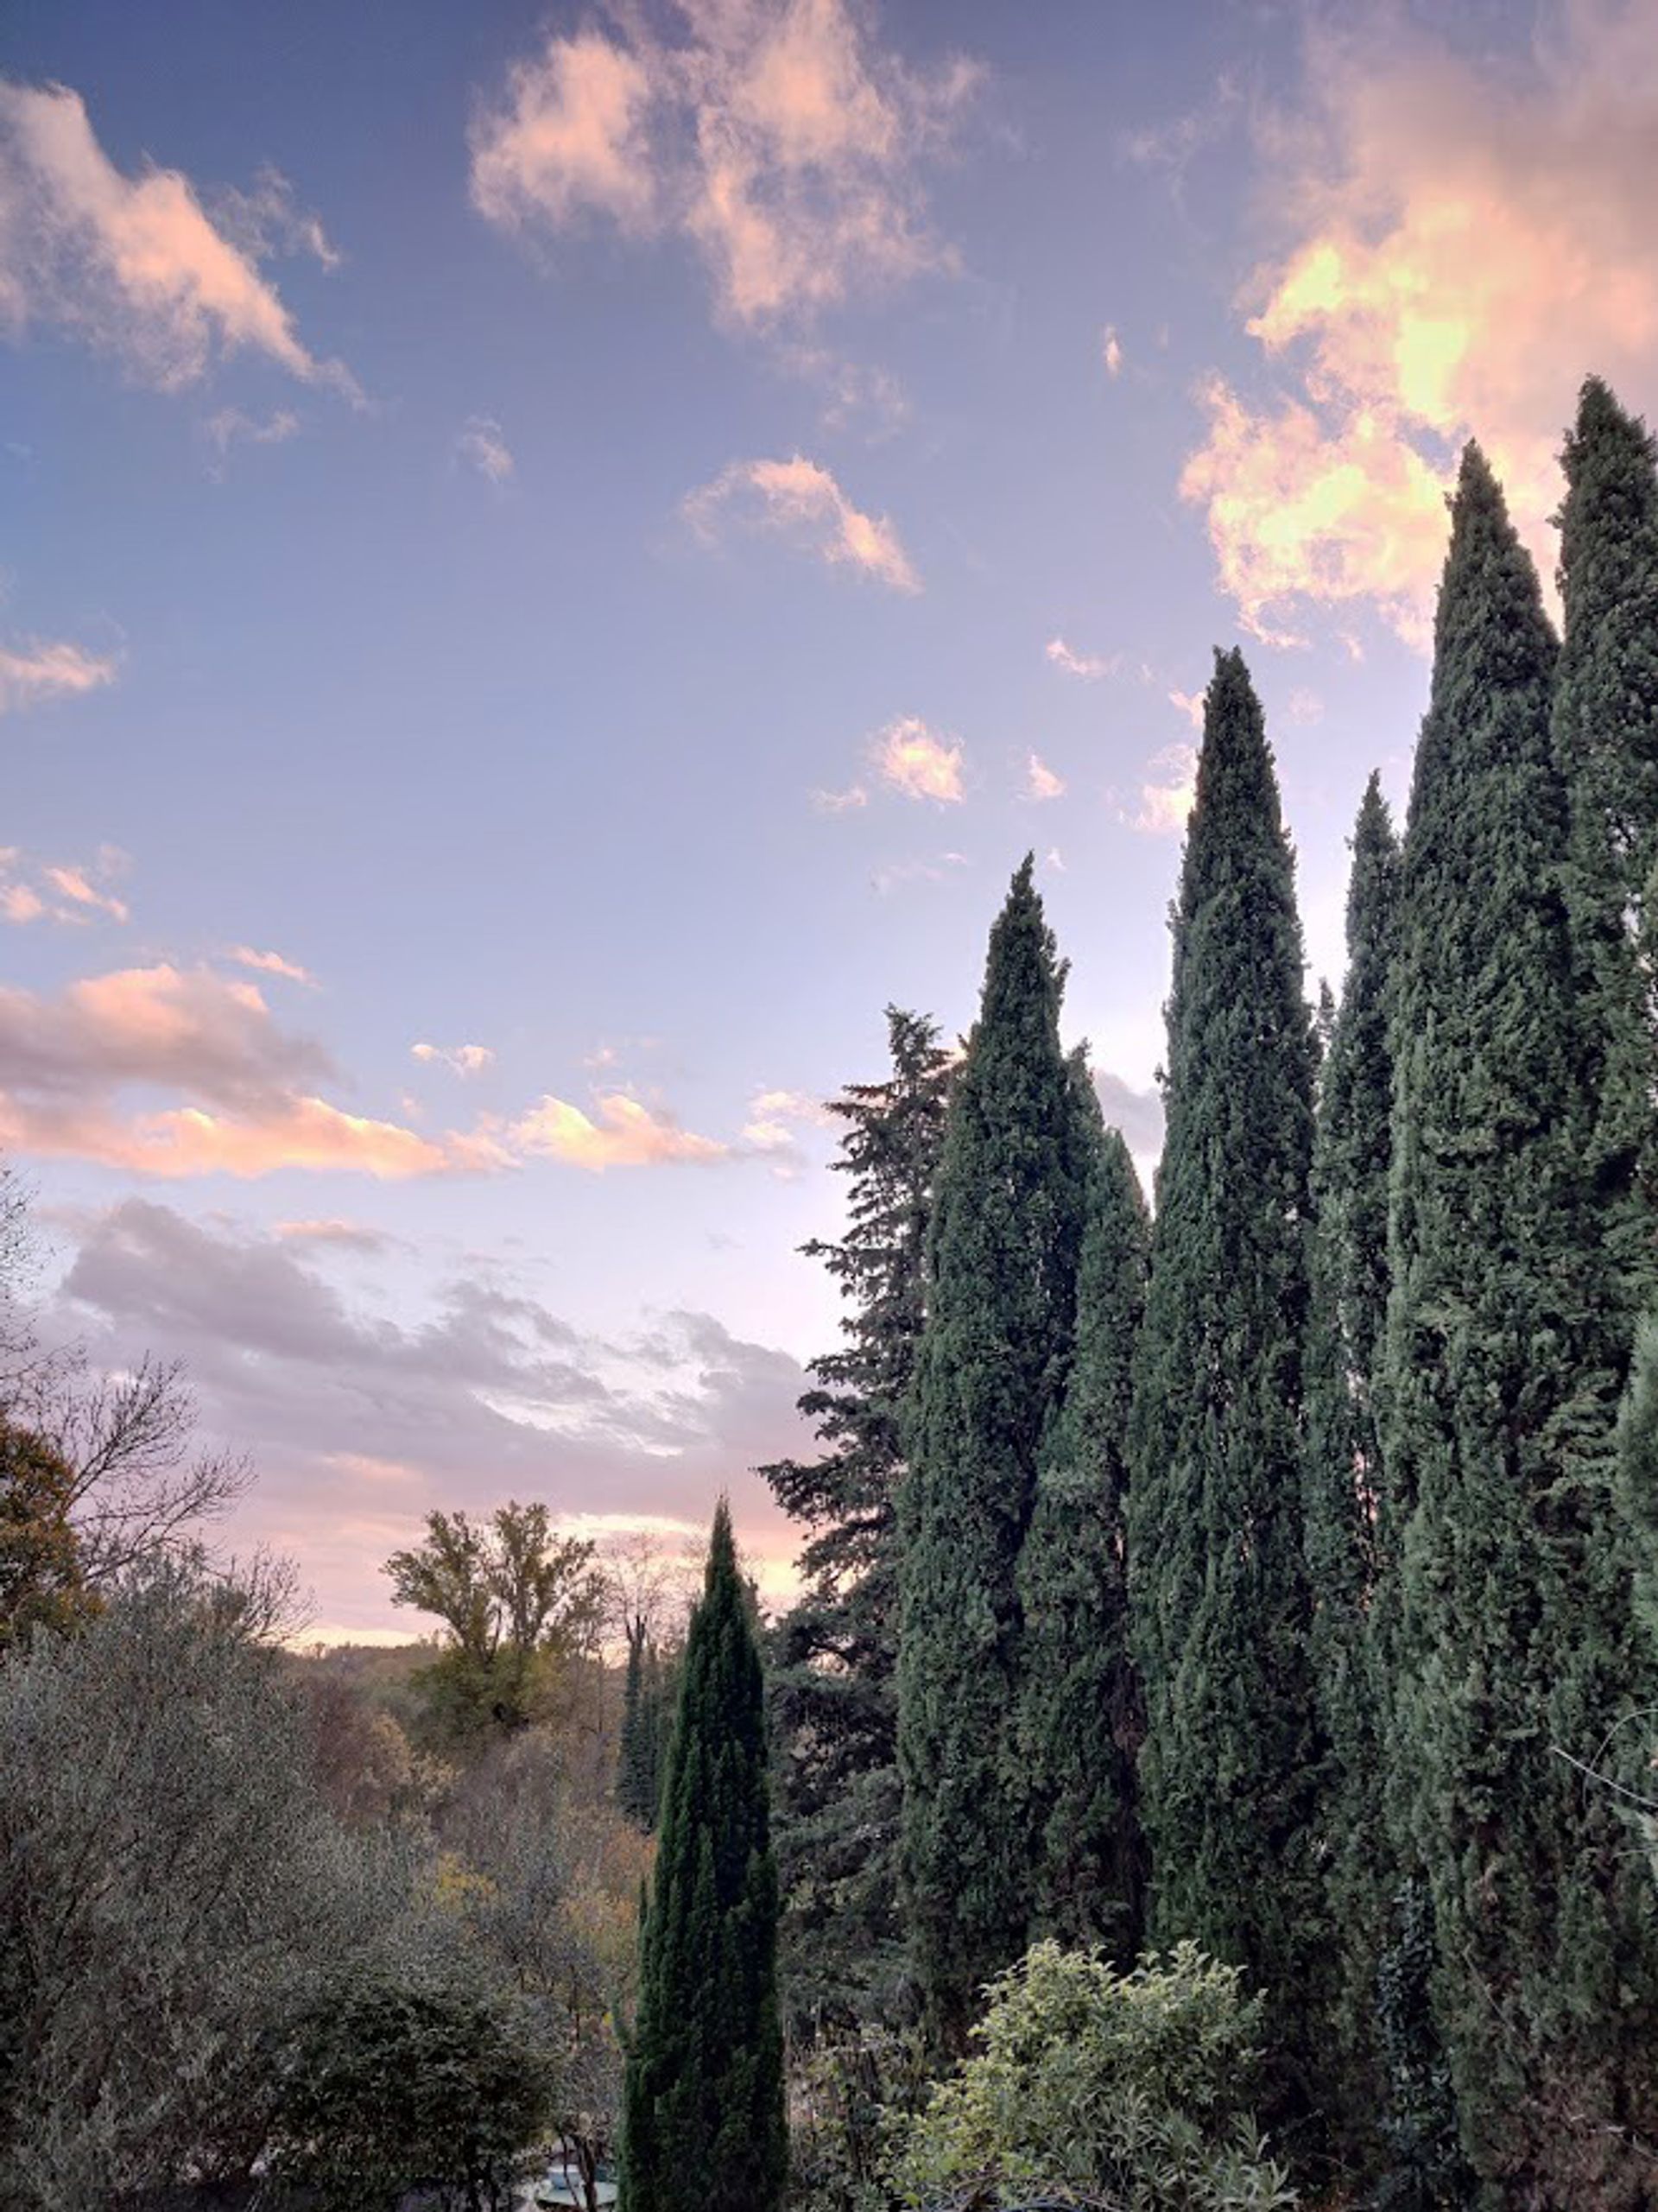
pixel 834 1699
pixel 1216 1585
pixel 1344 1502
pixel 639 1760
pixel 1502 1365
pixel 1002 1254
pixel 1605 731
pixel 1079 1704
pixel 703 2126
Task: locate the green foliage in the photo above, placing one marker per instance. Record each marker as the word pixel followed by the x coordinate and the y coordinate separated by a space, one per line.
pixel 645 1722
pixel 385 2088
pixel 517 1601
pixel 846 2098
pixel 1130 2090
pixel 1423 2170
pixel 1003 1255
pixel 41 1585
pixel 1080 1721
pixel 1605 735
pixel 835 1651
pixel 1507 1342
pixel 1216 1581
pixel 1348 1525
pixel 703 2125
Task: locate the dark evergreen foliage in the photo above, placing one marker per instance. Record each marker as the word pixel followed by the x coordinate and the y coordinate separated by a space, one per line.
pixel 1344 1501
pixel 1505 1352
pixel 835 1651
pixel 1216 1582
pixel 1002 1255
pixel 1605 730
pixel 703 2125
pixel 645 1724
pixel 1080 1716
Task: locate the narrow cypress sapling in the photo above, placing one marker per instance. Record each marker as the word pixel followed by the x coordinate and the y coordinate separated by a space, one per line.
pixel 703 2123
pixel 1344 1494
pixel 1002 1254
pixel 1080 1714
pixel 1218 1593
pixel 1506 1347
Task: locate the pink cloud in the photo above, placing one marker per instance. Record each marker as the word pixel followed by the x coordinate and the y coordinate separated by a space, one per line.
pixel 135 265
pixel 34 671
pixel 620 1132
pixel 1461 243
pixel 1041 782
pixel 271 964
pixel 802 500
pixel 915 761
pixel 780 140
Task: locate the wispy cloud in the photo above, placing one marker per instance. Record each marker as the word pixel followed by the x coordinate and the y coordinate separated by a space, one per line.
pixel 230 426
pixel 776 1118
pixel 35 890
pixel 1111 351
pixel 840 802
pixel 801 500
pixel 620 1132
pixel 482 446
pixel 777 137
pixel 1166 793
pixel 1461 242
pixel 915 760
pixel 271 964
pixel 918 869
pixel 135 265
pixel 32 671
pixel 1089 666
pixel 460 1060
pixel 1041 782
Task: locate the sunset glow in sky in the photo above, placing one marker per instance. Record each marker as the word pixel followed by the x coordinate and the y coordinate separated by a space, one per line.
pixel 556 558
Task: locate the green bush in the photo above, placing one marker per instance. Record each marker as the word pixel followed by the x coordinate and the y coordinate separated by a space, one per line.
pixel 387 2088
pixel 1125 2091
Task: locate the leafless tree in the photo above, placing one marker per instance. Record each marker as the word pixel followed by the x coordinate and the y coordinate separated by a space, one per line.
pixel 142 1484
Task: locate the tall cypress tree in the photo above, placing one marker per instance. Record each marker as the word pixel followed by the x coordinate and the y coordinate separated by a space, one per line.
pixel 703 2124
pixel 1605 731
pixel 1080 1718
pixel 1217 1584
pixel 1003 1249
pixel 834 1701
pixel 1504 1361
pixel 1344 1495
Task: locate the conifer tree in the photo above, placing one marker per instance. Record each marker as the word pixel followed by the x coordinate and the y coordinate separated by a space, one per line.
pixel 644 1728
pixel 1605 729
pixel 1002 1254
pixel 1080 1721
pixel 1216 1585
pixel 703 2123
pixel 1504 1361
pixel 834 1702
pixel 1344 1501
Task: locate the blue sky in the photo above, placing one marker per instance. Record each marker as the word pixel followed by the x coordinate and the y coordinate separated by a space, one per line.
pixel 600 537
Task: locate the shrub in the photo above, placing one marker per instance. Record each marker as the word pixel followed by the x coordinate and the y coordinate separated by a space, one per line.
pixel 1129 2091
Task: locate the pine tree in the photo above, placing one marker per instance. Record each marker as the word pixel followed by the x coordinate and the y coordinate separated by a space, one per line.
pixel 1344 1500
pixel 1605 731
pixel 1218 1592
pixel 1502 1369
pixel 1002 1255
pixel 834 1702
pixel 1080 1719
pixel 703 2123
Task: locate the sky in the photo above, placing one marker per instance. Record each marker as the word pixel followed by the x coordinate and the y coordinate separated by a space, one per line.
pixel 554 559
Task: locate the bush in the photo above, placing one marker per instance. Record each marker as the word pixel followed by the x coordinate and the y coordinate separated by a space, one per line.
pixel 387 2088
pixel 1125 2091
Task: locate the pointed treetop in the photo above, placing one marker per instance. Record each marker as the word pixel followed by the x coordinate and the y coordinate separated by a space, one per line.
pixel 1376 856
pixel 1235 782
pixel 722 1544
